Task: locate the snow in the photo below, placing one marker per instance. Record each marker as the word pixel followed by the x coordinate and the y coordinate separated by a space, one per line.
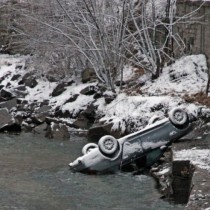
pixel 187 75
pixel 199 157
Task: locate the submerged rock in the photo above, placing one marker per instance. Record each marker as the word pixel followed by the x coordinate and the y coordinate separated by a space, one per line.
pixel 57 131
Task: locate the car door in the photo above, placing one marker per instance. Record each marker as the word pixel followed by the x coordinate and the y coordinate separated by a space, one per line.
pixel 156 137
pixel 131 149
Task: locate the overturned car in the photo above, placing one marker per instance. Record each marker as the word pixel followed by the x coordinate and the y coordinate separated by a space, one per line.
pixel 151 142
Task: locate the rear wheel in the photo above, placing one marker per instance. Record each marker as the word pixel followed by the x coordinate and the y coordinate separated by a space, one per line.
pixel 88 147
pixel 178 116
pixel 108 145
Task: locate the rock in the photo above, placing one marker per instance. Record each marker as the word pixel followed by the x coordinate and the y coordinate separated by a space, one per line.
pixel 86 118
pixel 15 77
pixel 29 80
pixel 27 127
pixel 62 114
pixel 41 114
pixel 44 109
pixel 60 88
pixel 9 104
pixel 5 118
pixel 6 94
pixel 21 88
pixel 72 98
pixel 7 122
pixel 118 83
pixel 38 118
pixel 81 122
pixel 97 95
pixel 88 75
pixel 52 78
pixel 99 130
pixel 40 129
pixel 44 103
pixel 182 172
pixel 89 113
pixel 19 93
pixel 109 98
pixel 89 90
pixel 57 131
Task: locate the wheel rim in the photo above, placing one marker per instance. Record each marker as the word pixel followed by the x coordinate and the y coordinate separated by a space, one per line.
pixel 179 116
pixel 108 144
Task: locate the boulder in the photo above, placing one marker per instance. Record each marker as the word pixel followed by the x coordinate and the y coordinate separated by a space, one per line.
pixel 7 122
pixel 72 98
pixel 88 75
pixel 9 104
pixel 21 88
pixel 60 88
pixel 99 130
pixel 89 112
pixel 89 90
pixel 6 94
pixel 15 77
pixel 41 114
pixel 29 80
pixel 57 131
pixel 109 98
pixel 62 114
pixel 40 129
pixel 81 122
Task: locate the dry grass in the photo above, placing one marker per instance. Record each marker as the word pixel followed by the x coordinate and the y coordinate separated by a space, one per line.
pixel 200 97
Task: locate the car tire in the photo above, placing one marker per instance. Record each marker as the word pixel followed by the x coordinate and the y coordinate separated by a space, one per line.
pixel 88 147
pixel 108 145
pixel 153 120
pixel 178 116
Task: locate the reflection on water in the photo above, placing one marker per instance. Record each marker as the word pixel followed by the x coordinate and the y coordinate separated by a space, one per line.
pixel 34 175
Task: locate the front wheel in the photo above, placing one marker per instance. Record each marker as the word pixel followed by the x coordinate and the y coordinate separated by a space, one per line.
pixel 178 116
pixel 108 145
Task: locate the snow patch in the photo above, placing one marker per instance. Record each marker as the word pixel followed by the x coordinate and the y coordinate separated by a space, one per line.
pixel 187 75
pixel 199 157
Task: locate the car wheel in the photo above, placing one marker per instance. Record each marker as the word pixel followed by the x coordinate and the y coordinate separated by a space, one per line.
pixel 88 147
pixel 108 145
pixel 153 120
pixel 178 116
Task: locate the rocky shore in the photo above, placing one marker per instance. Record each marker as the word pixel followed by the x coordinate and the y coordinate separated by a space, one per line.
pixel 183 174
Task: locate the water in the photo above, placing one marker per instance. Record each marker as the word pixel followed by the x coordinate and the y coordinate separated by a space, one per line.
pixel 34 175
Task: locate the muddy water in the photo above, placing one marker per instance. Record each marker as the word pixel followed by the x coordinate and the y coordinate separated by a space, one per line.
pixel 34 174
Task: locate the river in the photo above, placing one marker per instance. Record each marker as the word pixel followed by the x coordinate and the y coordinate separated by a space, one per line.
pixel 34 175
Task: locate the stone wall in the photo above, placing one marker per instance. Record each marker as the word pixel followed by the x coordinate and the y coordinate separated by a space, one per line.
pixel 196 30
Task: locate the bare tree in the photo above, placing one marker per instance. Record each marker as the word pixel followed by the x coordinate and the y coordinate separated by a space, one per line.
pixel 99 34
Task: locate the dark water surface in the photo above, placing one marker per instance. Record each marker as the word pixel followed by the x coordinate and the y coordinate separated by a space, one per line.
pixel 34 174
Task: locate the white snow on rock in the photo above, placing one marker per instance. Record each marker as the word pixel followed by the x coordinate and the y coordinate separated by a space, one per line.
pixel 186 75
pixel 199 157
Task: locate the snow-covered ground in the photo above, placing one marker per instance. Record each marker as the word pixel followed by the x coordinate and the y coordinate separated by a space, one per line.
pixel 198 157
